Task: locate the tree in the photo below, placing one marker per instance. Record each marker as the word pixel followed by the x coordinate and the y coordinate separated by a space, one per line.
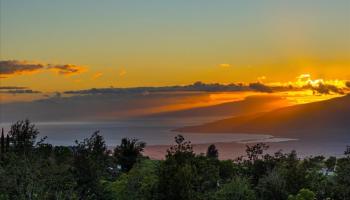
pixel 208 176
pixel 140 183
pixel 330 163
pixel 294 173
pixel 127 153
pixel 63 154
pixel 343 178
pixel 257 165
pixel 212 152
pixel 35 176
pixel 2 141
pixel 347 151
pixel 7 147
pixel 227 170
pixel 90 158
pixel 303 194
pixel 255 151
pixel 23 135
pixel 272 186
pixel 183 175
pixel 182 147
pixel 98 151
pixel 177 174
pixel 237 189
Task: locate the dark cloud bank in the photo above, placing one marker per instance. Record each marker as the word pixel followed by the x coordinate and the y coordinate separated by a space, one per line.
pixel 213 87
pixel 25 91
pixel 17 90
pixel 197 86
pixel 347 84
pixel 12 88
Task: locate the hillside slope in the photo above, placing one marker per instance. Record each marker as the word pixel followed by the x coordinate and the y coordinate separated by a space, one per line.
pixel 318 117
pixel 249 105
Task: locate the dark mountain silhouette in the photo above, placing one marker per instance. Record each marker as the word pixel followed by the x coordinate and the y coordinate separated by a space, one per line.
pixel 324 117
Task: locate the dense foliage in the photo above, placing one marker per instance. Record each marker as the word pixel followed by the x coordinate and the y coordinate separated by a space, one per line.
pixel 33 169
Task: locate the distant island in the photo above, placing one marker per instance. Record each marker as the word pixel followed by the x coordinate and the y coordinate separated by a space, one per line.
pixel 329 118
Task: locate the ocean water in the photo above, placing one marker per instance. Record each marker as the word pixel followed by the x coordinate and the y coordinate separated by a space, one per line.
pixel 159 132
pixel 151 131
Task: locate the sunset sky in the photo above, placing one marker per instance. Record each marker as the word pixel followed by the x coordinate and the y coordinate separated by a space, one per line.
pixel 73 45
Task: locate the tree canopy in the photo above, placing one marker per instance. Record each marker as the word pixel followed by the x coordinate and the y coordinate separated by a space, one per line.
pixel 30 168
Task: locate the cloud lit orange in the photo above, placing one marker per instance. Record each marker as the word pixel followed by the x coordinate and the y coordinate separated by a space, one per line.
pixel 16 67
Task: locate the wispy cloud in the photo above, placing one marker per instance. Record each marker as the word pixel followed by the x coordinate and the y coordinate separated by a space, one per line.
pixel 67 69
pixel 97 75
pixel 122 72
pixel 261 79
pixel 16 67
pixel 304 77
pixel 225 65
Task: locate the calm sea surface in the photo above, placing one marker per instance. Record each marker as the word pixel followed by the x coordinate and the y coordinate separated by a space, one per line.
pixel 159 132
pixel 152 131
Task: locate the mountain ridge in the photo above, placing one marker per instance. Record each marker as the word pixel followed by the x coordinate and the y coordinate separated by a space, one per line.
pixel 329 115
